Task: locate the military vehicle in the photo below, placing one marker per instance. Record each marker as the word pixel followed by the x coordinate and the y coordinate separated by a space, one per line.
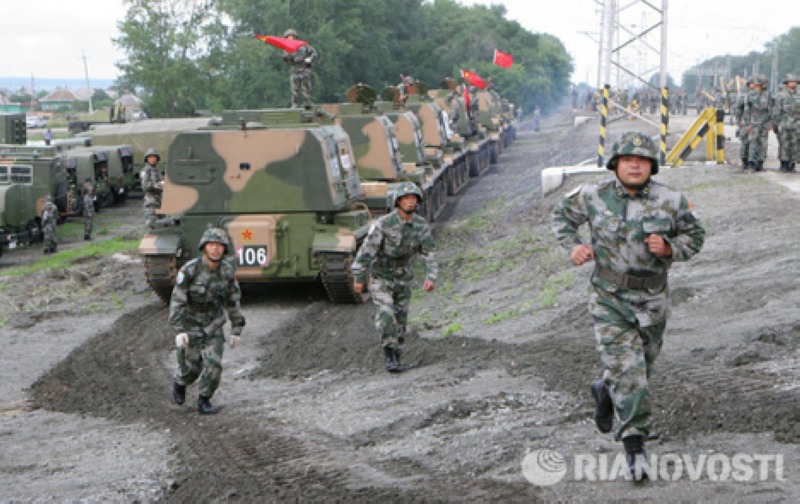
pixel 109 168
pixel 289 197
pixel 490 117
pixel 405 136
pixel 13 129
pixel 27 175
pixel 462 109
pixel 143 135
pixel 446 151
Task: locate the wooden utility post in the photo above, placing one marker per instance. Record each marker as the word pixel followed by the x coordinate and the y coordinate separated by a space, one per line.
pixel 88 87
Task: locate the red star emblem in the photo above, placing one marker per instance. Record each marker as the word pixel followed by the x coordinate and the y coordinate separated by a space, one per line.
pixel 247 235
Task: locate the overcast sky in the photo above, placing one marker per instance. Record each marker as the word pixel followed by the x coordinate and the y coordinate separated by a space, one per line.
pixel 48 38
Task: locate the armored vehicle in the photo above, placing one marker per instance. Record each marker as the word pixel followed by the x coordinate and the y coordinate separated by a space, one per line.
pixel 446 151
pixel 109 168
pixel 288 196
pixel 490 117
pixel 143 135
pixel 28 175
pixel 462 109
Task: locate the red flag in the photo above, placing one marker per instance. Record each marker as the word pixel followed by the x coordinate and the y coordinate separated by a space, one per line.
pixel 502 59
pixel 282 43
pixel 473 79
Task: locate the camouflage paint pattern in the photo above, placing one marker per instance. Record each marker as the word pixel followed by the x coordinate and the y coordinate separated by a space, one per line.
pixel 110 168
pixel 629 323
pixel 284 194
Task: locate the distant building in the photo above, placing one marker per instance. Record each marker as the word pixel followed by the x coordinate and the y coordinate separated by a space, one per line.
pixel 57 99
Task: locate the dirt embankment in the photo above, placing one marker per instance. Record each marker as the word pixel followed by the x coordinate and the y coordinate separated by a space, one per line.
pixel 503 353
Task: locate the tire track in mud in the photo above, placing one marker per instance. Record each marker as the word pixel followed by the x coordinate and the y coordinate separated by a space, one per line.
pixel 119 375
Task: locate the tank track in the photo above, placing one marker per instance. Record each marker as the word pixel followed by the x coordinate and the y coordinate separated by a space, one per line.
pixel 161 272
pixel 338 279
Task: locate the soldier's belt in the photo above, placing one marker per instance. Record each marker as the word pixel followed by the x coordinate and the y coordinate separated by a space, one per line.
pixel 631 281
pixel 395 262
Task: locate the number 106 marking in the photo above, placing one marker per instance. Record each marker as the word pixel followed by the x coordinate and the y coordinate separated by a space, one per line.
pixel 252 256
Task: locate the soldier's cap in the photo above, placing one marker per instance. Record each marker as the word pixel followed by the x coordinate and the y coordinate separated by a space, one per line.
pixel 289 33
pixel 214 235
pixel 405 189
pixel 790 78
pixel 152 152
pixel 634 144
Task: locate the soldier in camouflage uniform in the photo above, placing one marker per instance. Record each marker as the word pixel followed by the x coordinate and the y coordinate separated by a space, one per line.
pixel 49 220
pixel 638 228
pixel 153 187
pixel 740 114
pixel 300 77
pixel 388 249
pixel 788 119
pixel 205 289
pixel 88 209
pixel 759 117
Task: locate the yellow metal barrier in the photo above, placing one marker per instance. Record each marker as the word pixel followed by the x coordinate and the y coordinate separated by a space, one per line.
pixel 709 125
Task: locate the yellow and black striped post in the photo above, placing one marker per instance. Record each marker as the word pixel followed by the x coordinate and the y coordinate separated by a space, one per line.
pixel 664 122
pixel 601 147
pixel 720 136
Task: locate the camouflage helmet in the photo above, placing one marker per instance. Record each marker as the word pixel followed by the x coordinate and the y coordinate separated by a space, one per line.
pixel 634 144
pixel 405 189
pixel 48 198
pixel 215 235
pixel 288 33
pixel 151 152
pixel 790 78
pixel 762 80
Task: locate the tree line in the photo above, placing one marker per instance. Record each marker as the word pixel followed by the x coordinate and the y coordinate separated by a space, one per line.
pixel 184 56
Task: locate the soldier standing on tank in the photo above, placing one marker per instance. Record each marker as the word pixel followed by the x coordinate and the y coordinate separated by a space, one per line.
pixel 788 119
pixel 300 76
pixel 152 185
pixel 205 289
pixel 758 110
pixel 638 228
pixel 49 219
pixel 88 210
pixel 387 251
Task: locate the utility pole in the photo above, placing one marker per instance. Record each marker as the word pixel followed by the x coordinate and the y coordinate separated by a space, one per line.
pixel 88 87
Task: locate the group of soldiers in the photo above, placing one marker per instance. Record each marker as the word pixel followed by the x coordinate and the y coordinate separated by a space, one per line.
pixel 49 217
pixel 756 112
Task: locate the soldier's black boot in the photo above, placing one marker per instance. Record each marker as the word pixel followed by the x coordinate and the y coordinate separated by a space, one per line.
pixel 636 457
pixel 744 163
pixel 388 356
pixel 87 237
pixel 759 166
pixel 178 393
pixel 784 166
pixel 393 364
pixel 204 406
pixel 603 407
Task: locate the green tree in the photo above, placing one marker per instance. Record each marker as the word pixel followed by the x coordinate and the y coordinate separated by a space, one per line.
pixel 168 44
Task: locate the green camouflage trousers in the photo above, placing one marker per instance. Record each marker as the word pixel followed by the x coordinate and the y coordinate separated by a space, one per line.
pixel 787 150
pixel 757 140
pixel 202 358
pixel 391 298
pixel 628 352
pixel 744 149
pixel 300 82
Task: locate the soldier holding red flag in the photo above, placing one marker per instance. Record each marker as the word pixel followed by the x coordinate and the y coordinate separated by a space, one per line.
pixel 301 61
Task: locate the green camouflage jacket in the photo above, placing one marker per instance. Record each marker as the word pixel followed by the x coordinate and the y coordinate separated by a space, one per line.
pixel 200 296
pixel 619 223
pixel 391 243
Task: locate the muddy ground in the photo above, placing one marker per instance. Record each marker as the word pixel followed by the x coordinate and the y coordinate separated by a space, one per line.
pixel 503 353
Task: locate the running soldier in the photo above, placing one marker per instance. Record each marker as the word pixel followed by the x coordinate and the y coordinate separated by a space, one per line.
pixel 638 228
pixel 388 249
